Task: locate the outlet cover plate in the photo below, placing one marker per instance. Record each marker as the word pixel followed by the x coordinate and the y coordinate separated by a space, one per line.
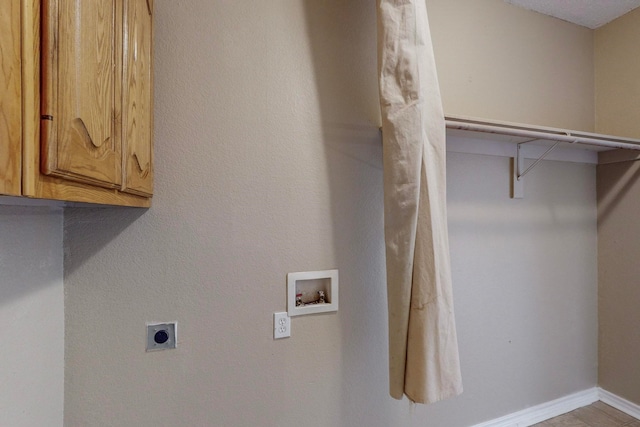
pixel 161 336
pixel 281 325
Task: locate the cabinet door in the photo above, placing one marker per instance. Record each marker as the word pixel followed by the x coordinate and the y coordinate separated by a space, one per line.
pixel 80 139
pixel 137 99
pixel 10 99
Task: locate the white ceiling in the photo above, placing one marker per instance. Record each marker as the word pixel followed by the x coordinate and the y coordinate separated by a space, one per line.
pixel 588 13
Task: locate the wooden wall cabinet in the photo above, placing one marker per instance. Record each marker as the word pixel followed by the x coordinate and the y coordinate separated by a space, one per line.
pixel 76 122
pixel 10 99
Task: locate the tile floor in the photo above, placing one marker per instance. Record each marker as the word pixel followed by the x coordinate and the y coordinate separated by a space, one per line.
pixel 597 415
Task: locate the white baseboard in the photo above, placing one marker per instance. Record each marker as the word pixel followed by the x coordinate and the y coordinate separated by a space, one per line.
pixel 545 411
pixel 619 403
pixel 539 413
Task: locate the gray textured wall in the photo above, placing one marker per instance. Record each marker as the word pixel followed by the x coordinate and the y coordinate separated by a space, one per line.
pixel 32 316
pixel 269 161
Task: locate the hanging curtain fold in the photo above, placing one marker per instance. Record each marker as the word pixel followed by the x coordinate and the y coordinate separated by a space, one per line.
pixel 423 348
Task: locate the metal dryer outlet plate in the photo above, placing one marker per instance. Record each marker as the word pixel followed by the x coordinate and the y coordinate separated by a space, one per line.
pixel 161 336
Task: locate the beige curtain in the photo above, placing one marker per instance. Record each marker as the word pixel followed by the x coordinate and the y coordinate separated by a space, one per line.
pixel 423 348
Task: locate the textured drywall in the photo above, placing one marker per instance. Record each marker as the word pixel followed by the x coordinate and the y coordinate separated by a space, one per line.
pixel 525 283
pixel 618 103
pixel 618 272
pixel 617 66
pixel 269 161
pixel 32 317
pixel 503 62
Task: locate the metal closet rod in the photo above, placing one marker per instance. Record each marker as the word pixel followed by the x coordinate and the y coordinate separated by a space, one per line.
pixel 550 135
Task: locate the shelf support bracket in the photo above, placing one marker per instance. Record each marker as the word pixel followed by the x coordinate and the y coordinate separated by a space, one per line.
pixel 518 170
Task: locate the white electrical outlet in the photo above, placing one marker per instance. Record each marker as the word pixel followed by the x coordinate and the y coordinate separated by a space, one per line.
pixel 281 325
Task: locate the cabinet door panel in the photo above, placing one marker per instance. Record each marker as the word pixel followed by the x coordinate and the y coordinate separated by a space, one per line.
pixel 137 105
pixel 10 99
pixel 80 138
